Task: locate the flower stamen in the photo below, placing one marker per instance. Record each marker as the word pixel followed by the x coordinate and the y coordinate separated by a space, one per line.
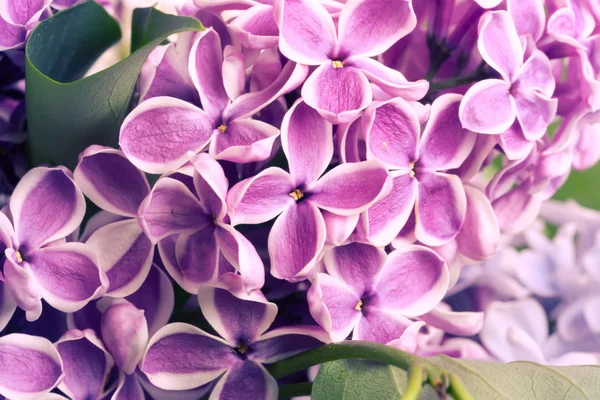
pixel 19 257
pixel 296 194
pixel 359 306
pixel 411 165
pixel 337 64
pixel 242 348
pixel 222 128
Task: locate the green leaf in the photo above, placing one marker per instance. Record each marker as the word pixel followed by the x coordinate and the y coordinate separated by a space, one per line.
pixel 352 379
pixel 579 187
pixel 357 379
pixel 67 113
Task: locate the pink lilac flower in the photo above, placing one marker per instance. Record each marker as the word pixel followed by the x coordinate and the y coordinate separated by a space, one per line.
pixel 181 356
pixel 17 19
pixel 339 88
pixel 298 197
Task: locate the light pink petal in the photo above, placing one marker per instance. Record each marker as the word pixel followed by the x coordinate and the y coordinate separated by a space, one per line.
pixel 412 282
pixel 391 132
pixel 30 367
pixel 389 80
pixel 260 198
pixel 158 133
pixel 205 66
pixel 125 255
pixel 255 28
pixel 499 43
pixel 338 94
pixel 516 210
pixel 22 286
pixel 351 188
pixel 445 144
pixel 23 12
pixel 479 236
pixel 171 208
pixel 307 141
pixel 534 112
pixel 333 305
pixel 11 36
pixel 488 107
pixel 339 228
pixel 514 143
pixel 245 140
pixel 387 217
pixel 356 264
pixel 536 73
pixel 307 34
pixel 7 305
pixel 529 17
pixel 370 27
pixel 46 205
pixel 440 208
pixel 295 241
pixel 234 68
pixel 464 323
pixel 380 326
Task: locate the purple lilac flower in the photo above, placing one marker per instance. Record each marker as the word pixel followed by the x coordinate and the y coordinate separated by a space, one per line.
pixel 181 356
pixel 206 246
pixel 17 19
pixel 299 233
pixel 125 253
pixel 157 135
pixel 371 294
pixel 45 207
pixel 339 88
pixel 30 368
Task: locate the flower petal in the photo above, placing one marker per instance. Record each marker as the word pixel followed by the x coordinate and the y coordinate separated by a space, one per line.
pixel 499 43
pixel 22 286
pixel 68 275
pixel 351 188
pixel 205 67
pixel 385 219
pixel 529 17
pixel 307 34
pixel 356 264
pixel 516 210
pixel 234 68
pixel 181 356
pixel 255 28
pixel 125 254
pixel 260 198
pixel 534 112
pixel 156 297
pixel 171 208
pixel 128 388
pixel 440 208
pixel 295 241
pixel 456 323
pixel 249 378
pixel 391 132
pixel 307 141
pixel 380 326
pixel 244 141
pixel 333 304
pixel 211 184
pixel 108 178
pixel 536 73
pixel 236 316
pixel 338 94
pixel 11 36
pixel 370 27
pixel 514 143
pixel 7 305
pixel 445 144
pixel 479 236
pixel 488 107
pixel 26 13
pixel 412 282
pixel 338 227
pixel 125 333
pixel 30 367
pixel 45 206
pixel 284 342
pixel 158 133
pixel 86 364
pixel 389 80
pixel 197 259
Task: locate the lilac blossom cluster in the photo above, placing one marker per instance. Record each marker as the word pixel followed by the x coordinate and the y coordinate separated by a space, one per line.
pixel 329 171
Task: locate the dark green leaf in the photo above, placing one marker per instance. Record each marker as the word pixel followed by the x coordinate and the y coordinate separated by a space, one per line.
pixel 354 379
pixel 65 115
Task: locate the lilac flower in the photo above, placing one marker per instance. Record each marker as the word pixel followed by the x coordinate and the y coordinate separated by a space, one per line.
pixel 157 135
pixel 518 330
pixel 17 19
pixel 523 94
pixel 30 368
pixel 299 233
pixel 45 207
pixel 339 88
pixel 370 294
pixel 106 177
pixel 207 246
pixel 419 165
pixel 181 356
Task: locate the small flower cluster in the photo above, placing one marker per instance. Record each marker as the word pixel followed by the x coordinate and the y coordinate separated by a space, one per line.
pixel 329 171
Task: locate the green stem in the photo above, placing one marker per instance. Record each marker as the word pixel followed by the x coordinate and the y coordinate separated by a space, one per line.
pixel 337 351
pixel 295 389
pixel 417 375
pixel 457 389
